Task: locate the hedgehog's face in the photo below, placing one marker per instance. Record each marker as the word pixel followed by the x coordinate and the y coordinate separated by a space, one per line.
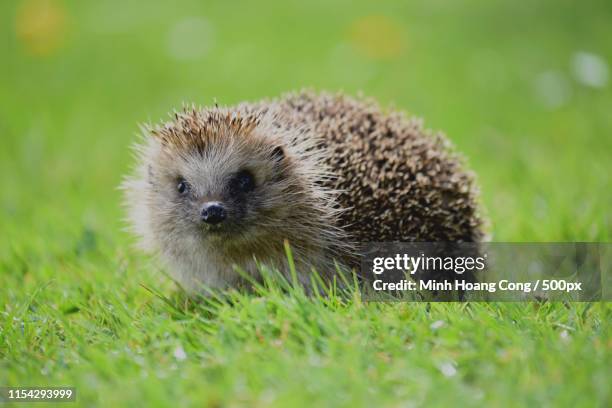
pixel 231 191
pixel 238 185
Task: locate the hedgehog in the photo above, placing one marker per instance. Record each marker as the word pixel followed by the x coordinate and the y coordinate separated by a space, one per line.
pixel 218 191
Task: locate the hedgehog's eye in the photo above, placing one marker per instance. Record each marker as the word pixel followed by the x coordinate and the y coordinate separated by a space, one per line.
pixel 243 182
pixel 182 187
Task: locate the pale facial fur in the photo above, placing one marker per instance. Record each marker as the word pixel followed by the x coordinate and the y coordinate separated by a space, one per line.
pixel 263 179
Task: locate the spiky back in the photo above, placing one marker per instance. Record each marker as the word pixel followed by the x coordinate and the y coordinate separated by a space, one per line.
pixel 397 181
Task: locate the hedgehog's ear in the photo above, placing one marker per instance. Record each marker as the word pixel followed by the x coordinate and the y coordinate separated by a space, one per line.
pixel 278 154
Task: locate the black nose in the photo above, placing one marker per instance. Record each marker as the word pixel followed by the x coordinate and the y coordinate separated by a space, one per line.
pixel 213 213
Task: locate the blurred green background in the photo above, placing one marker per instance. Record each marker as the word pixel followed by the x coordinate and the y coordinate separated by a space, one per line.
pixel 524 89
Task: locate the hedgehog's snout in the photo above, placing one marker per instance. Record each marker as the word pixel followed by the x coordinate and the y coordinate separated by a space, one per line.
pixel 213 213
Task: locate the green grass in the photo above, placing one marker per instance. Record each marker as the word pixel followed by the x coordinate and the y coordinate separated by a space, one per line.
pixel 73 305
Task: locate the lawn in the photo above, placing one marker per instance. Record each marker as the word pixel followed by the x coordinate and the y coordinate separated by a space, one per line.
pixel 524 90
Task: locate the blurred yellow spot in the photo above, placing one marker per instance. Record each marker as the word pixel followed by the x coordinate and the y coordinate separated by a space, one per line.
pixel 40 26
pixel 377 37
